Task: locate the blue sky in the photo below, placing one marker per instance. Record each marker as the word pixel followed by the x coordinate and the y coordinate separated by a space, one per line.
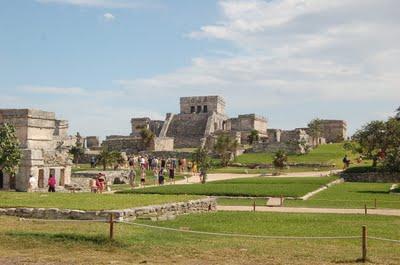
pixel 98 63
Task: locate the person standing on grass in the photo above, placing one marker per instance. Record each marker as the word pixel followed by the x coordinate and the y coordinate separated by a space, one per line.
pixel 161 177
pixel 132 177
pixel 346 162
pixel 32 183
pixel 52 183
pixel 155 175
pixel 92 185
pixel 143 178
pixel 172 174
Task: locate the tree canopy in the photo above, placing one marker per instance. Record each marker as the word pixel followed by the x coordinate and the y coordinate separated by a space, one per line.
pixel 226 147
pixel 10 153
pixel 315 129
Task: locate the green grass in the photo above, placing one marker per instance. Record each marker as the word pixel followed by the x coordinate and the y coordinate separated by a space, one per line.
pixel 247 187
pixel 86 201
pixel 84 243
pixel 324 154
pixel 246 170
pixel 346 195
pixel 352 195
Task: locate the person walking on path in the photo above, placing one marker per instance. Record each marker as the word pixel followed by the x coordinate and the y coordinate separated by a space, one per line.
pixel 32 183
pixel 52 183
pixel 143 178
pixel 161 177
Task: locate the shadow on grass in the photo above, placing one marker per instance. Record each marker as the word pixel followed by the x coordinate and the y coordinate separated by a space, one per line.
pixel 373 192
pixel 74 238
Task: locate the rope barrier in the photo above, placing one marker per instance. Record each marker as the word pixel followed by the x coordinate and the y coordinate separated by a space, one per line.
pixel 384 239
pixel 236 235
pixel 64 220
pixel 353 201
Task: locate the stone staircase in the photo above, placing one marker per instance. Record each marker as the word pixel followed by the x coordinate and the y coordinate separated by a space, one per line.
pixel 166 124
pixel 187 129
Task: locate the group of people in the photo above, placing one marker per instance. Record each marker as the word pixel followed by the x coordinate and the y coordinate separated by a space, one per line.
pixel 51 183
pixel 98 184
pixel 160 167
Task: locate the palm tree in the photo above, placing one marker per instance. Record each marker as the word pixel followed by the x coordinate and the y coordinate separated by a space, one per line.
pixel 280 159
pixel 203 160
pixel 225 148
pixel 107 157
pixel 253 137
pixel 147 137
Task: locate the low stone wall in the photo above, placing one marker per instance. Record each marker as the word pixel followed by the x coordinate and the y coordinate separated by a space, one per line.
pixel 158 212
pixel 371 177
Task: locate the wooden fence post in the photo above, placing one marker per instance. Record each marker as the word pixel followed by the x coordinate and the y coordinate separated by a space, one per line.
pixel 365 209
pixel 364 244
pixel 254 205
pixel 281 200
pixel 111 226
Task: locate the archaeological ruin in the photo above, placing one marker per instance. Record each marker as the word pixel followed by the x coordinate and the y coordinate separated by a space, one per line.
pixel 202 119
pixel 45 146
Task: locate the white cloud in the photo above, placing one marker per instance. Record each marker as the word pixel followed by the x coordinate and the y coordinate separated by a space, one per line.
pixel 108 17
pixel 105 3
pixel 50 90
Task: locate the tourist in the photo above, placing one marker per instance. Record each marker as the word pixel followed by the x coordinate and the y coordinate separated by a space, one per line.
pixel 32 183
pixel 143 178
pixel 346 162
pixel 171 174
pixel 202 176
pixel 161 177
pixel 189 166
pixel 194 169
pixel 132 178
pixel 92 185
pixel 92 162
pixel 180 163
pixel 155 175
pixel 52 183
pixel 163 163
pixel 131 163
pixel 183 164
pixel 154 163
pixel 100 183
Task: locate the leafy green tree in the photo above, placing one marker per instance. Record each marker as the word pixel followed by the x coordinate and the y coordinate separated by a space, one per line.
pixel 226 147
pixel 371 140
pixel 108 158
pixel 203 160
pixel 280 159
pixel 397 113
pixel 10 153
pixel 147 136
pixel 253 137
pixel 77 153
pixel 315 130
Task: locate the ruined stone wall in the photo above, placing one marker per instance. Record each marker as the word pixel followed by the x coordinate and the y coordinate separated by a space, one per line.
pixel 334 130
pixel 248 122
pixel 203 104
pixel 127 144
pixel 138 124
pixel 92 141
pixel 163 144
pixel 274 135
pixel 155 212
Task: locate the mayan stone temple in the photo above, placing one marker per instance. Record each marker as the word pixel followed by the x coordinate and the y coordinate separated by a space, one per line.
pixel 44 142
pixel 200 121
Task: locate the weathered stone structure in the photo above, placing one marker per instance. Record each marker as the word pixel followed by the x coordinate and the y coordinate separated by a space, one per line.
pixel 245 124
pixel 45 145
pixel 135 144
pixel 92 142
pixel 334 131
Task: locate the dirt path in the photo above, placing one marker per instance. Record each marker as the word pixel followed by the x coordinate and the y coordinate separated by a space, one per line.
pixel 388 212
pixel 225 176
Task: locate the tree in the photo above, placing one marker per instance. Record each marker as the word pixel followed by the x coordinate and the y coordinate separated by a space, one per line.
pixel 253 137
pixel 147 136
pixel 371 140
pixel 77 152
pixel 203 160
pixel 226 147
pixel 397 113
pixel 280 160
pixel 315 130
pixel 107 157
pixel 10 153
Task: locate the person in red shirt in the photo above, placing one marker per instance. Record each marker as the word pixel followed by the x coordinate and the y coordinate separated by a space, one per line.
pixel 52 183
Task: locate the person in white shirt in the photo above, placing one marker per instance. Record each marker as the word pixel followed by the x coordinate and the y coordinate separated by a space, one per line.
pixel 32 183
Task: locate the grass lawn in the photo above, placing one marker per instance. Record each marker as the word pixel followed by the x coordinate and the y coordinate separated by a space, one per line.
pixel 86 201
pixel 345 195
pixel 352 195
pixel 86 243
pixel 247 187
pixel 327 154
pixel 246 170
